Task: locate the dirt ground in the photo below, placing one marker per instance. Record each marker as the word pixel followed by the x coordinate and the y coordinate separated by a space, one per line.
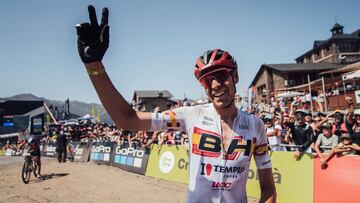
pixel 84 182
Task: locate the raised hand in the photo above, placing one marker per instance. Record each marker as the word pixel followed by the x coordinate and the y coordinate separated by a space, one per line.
pixel 93 39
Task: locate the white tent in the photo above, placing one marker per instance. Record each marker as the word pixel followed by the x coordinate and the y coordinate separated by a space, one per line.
pixel 289 94
pixel 351 75
pixel 86 117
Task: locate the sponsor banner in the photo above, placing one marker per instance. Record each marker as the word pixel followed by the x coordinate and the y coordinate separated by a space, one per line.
pixel 170 163
pixel 293 179
pixel 70 149
pixel 101 152
pixel 82 151
pixel 339 182
pixel 2 152
pixel 49 150
pixel 130 158
pixel 9 152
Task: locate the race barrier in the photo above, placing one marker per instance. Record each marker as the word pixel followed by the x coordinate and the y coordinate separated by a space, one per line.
pixel 293 178
pixel 82 151
pixel 9 152
pixel 49 150
pixel 133 159
pixel 2 152
pixel 170 163
pixel 340 182
pixel 101 152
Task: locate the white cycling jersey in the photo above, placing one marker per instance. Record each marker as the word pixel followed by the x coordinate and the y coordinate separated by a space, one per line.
pixel 214 176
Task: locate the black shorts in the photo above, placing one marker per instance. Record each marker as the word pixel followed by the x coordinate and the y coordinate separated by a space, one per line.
pixel 36 153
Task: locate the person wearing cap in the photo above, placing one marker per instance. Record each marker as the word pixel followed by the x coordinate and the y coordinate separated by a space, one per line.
pixel 301 133
pixel 345 147
pixel 326 139
pixel 339 125
pixel 273 132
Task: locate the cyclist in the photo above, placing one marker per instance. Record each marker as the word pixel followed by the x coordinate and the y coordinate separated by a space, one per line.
pixel 34 150
pixel 222 139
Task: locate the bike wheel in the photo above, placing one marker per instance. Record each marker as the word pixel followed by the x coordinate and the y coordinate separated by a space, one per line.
pixel 26 172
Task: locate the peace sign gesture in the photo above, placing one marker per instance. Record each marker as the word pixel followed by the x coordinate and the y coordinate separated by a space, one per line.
pixel 93 39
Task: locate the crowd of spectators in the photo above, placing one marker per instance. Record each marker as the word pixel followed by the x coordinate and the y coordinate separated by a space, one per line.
pixel 101 132
pixel 289 126
pixel 295 128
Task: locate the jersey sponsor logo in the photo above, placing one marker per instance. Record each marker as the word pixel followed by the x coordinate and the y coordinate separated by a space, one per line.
pixel 243 127
pixel 166 162
pixel 220 185
pixel 228 171
pixel 208 121
pixel 208 144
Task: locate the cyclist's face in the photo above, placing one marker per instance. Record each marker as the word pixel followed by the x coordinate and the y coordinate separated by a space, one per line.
pixel 220 88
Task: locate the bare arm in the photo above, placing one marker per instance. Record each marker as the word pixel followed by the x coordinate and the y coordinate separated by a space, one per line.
pixel 93 41
pixel 267 186
pixel 120 111
pixel 317 150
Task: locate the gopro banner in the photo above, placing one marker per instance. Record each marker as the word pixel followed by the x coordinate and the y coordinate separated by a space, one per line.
pixel 101 152
pixel 49 150
pixel 82 151
pixel 131 159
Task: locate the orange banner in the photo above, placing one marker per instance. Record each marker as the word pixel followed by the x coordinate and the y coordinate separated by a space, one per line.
pixel 340 182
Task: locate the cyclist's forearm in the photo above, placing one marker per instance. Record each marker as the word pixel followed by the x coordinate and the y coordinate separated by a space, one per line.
pixel 120 111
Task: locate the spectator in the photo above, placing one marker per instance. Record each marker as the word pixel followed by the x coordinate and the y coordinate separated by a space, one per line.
pixel 61 144
pixel 301 134
pixel 345 147
pixel 352 122
pixel 339 125
pixel 273 133
pixel 327 140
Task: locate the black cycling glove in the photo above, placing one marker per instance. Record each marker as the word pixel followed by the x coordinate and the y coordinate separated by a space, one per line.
pixel 93 39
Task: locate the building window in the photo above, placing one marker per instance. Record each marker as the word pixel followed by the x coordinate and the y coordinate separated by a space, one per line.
pixel 348 47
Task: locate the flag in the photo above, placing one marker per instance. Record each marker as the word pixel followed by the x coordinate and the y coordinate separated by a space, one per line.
pixel 93 111
pixel 98 116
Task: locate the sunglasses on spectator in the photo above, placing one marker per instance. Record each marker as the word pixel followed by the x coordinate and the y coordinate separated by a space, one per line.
pixel 220 76
pixel 316 120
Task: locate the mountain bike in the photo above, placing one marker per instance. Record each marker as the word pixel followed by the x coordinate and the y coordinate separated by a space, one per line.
pixel 29 166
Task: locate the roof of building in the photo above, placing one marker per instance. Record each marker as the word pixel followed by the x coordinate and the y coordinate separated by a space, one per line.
pixel 337 26
pixel 152 94
pixel 296 67
pixel 318 44
pixel 285 67
pixel 343 69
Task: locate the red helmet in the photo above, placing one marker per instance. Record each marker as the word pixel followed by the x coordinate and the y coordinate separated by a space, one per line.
pixel 213 61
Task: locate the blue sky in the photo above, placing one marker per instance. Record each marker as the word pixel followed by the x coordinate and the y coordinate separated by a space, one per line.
pixel 154 44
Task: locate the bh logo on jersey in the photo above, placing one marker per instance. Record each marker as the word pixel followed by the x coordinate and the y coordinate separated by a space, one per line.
pixel 207 143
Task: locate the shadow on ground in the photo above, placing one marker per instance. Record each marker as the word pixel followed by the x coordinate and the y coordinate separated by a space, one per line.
pixel 45 177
